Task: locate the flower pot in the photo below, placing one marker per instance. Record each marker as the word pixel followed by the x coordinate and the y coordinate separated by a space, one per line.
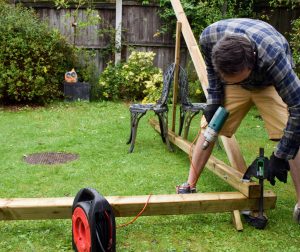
pixel 77 91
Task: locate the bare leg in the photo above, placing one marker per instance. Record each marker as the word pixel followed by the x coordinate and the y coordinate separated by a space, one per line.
pixel 199 159
pixel 295 174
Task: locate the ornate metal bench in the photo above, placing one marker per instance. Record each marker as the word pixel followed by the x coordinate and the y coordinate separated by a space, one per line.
pixel 137 111
pixel 188 110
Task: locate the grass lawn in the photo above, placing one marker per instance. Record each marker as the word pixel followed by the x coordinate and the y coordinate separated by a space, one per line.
pixel 97 132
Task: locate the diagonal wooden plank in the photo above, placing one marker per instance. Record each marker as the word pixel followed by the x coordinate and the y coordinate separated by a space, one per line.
pixel 234 153
pixel 191 43
pixel 230 175
pixel 124 206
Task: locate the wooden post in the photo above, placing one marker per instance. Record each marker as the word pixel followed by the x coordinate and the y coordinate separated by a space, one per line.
pixel 236 219
pixel 118 31
pixel 175 84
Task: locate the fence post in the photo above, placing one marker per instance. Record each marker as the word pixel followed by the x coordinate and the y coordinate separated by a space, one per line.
pixel 118 31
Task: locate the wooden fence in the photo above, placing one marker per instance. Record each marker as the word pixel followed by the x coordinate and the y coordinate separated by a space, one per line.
pixel 280 17
pixel 140 26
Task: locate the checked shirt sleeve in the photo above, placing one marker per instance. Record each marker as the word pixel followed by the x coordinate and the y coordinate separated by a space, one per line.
pixel 287 85
pixel 215 89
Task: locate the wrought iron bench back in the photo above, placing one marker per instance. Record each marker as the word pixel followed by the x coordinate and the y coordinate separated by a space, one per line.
pixel 167 84
pixel 183 87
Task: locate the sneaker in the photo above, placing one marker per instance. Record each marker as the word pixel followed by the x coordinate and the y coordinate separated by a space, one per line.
pixel 296 214
pixel 185 188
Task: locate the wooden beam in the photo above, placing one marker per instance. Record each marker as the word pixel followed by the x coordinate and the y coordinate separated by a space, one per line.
pixel 230 175
pixel 234 155
pixel 124 206
pixel 35 208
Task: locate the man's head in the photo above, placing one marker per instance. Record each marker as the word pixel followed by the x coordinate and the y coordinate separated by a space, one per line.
pixel 233 58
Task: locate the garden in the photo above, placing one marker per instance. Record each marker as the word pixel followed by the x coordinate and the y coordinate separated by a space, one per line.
pixel 35 118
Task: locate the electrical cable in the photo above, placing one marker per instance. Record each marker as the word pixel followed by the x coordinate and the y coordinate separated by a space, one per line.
pixel 104 231
pixel 138 215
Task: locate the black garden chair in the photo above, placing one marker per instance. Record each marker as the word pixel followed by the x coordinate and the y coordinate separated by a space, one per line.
pixel 188 110
pixel 137 111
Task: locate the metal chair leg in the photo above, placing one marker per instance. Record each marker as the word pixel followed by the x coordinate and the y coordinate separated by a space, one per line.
pixel 164 131
pixel 131 122
pixel 188 121
pixel 135 121
pixel 181 121
pixel 160 120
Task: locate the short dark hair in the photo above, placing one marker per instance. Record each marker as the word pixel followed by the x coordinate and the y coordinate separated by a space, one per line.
pixel 232 54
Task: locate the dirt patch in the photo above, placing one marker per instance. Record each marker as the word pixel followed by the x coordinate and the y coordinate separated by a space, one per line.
pixel 50 158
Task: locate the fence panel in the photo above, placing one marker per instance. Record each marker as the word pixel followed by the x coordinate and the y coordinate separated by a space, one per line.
pixel 140 26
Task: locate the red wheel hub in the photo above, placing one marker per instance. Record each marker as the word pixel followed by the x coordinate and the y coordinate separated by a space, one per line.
pixel 81 230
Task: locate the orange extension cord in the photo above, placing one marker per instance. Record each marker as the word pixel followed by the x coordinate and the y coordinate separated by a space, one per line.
pixel 141 212
pixel 137 216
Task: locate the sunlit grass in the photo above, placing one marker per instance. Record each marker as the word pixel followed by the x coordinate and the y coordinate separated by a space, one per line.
pixel 98 133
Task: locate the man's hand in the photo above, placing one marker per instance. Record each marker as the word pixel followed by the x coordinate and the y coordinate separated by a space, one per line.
pixel 252 169
pixel 210 110
pixel 278 168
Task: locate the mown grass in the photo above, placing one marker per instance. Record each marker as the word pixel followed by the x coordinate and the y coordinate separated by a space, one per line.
pixel 98 132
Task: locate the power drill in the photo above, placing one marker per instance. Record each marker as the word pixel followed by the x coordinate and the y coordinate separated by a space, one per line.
pixel 214 127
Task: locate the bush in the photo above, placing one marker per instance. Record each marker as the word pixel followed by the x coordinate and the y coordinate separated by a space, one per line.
pixel 33 58
pixel 196 93
pixel 203 13
pixel 130 80
pixel 153 88
pixel 294 41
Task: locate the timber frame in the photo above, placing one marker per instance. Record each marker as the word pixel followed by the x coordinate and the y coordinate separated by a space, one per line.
pixel 246 197
pixel 231 174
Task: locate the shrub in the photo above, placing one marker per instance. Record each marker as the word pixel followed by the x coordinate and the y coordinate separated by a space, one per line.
pixel 87 71
pixel 202 13
pixel 130 80
pixel 196 93
pixel 33 58
pixel 153 88
pixel 294 41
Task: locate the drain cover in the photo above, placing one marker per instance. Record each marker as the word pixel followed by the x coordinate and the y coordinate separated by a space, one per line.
pixel 50 158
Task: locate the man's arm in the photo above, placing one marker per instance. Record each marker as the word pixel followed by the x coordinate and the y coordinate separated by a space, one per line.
pixel 287 85
pixel 215 89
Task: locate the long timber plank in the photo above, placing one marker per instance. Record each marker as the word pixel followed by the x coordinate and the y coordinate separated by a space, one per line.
pixel 222 170
pixel 124 206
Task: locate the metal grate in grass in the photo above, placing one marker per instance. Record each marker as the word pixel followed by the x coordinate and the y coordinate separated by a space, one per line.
pixel 50 158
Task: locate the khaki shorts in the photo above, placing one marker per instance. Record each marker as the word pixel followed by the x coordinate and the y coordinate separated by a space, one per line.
pixel 238 102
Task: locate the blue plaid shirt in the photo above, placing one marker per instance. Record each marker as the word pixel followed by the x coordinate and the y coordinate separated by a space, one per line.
pixel 274 66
